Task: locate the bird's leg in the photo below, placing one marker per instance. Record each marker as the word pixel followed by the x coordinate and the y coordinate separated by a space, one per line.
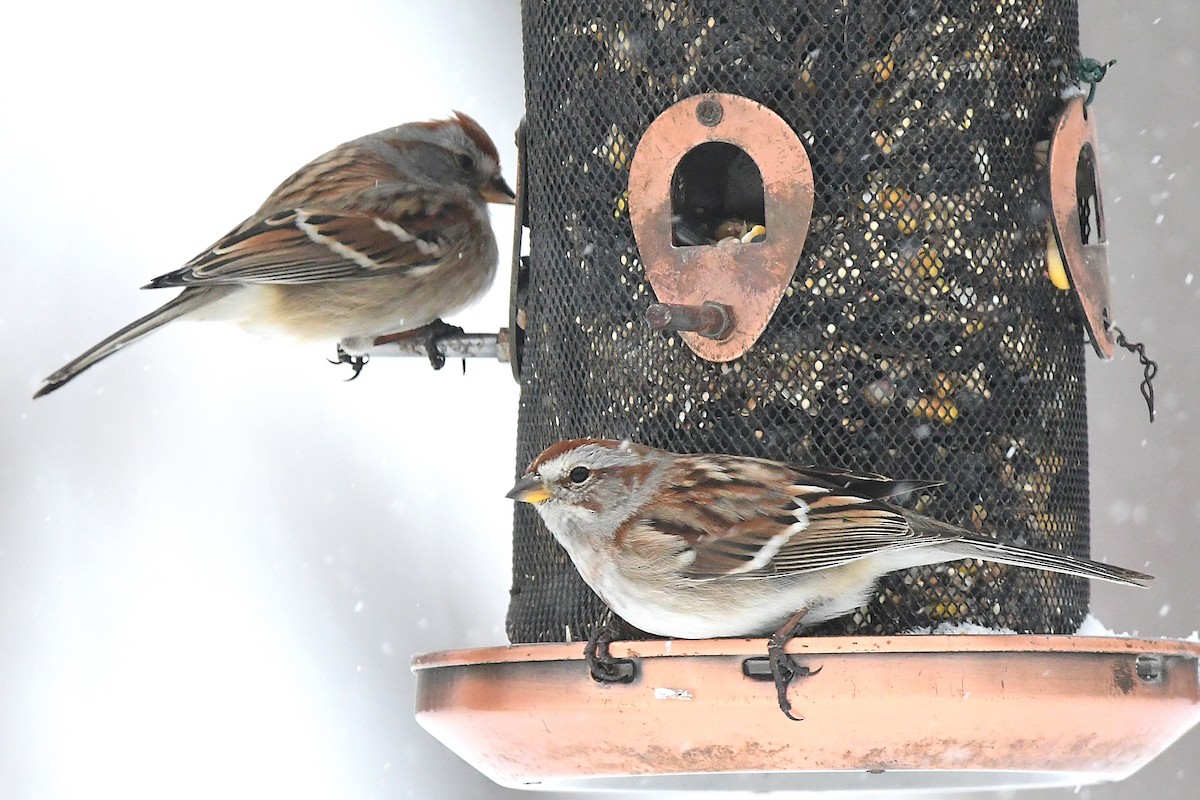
pixel 783 668
pixel 356 362
pixel 434 332
pixel 429 336
pixel 601 665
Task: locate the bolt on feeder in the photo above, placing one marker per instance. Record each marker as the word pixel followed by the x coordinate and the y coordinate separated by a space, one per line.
pixel 818 233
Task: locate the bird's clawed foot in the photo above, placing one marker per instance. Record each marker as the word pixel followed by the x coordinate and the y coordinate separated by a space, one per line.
pixel 600 663
pixel 428 336
pixel 435 332
pixel 783 667
pixel 356 362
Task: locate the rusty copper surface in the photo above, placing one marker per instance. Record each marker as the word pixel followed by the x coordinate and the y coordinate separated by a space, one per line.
pixel 1041 709
pixel 749 278
pixel 1087 262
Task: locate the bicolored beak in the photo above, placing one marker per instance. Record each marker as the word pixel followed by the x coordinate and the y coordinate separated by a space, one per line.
pixel 498 191
pixel 529 489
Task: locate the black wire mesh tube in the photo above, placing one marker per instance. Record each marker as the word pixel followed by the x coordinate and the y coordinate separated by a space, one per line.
pixel 920 336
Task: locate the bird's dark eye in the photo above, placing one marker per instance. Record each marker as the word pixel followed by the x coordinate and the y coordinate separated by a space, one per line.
pixel 466 163
pixel 579 474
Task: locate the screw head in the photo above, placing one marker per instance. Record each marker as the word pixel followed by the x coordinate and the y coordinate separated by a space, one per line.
pixel 1149 667
pixel 709 112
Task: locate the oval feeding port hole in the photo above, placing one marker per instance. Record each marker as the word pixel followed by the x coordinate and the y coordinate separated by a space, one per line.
pixel 717 196
pixel 1087 196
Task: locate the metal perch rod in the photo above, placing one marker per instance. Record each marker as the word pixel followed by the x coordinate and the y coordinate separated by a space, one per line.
pixel 463 345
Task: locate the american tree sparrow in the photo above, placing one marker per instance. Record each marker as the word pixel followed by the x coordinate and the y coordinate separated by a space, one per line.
pixel 383 234
pixel 700 546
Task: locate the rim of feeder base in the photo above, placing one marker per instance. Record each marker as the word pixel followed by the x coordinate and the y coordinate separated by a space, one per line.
pixel 887 712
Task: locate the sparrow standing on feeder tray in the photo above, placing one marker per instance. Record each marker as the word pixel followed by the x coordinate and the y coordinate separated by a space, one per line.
pixel 702 546
pixel 383 234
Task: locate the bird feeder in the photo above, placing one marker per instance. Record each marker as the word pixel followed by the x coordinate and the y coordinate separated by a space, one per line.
pixel 816 233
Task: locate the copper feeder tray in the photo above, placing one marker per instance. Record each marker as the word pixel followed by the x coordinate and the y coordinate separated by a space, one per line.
pixel 883 713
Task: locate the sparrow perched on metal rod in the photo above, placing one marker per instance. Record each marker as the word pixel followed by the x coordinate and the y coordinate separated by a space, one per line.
pixel 383 234
pixel 701 546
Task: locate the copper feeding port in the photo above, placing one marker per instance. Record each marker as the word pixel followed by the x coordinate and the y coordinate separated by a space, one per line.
pixel 720 198
pixel 710 320
pixel 1078 219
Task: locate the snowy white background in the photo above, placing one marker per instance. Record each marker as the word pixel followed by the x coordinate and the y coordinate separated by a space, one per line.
pixel 216 558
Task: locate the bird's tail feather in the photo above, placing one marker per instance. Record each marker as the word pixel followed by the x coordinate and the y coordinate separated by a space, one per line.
pixel 186 302
pixel 1019 556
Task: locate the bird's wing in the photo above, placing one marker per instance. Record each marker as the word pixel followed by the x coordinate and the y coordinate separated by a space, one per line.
pixel 758 519
pixel 869 484
pixel 310 244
